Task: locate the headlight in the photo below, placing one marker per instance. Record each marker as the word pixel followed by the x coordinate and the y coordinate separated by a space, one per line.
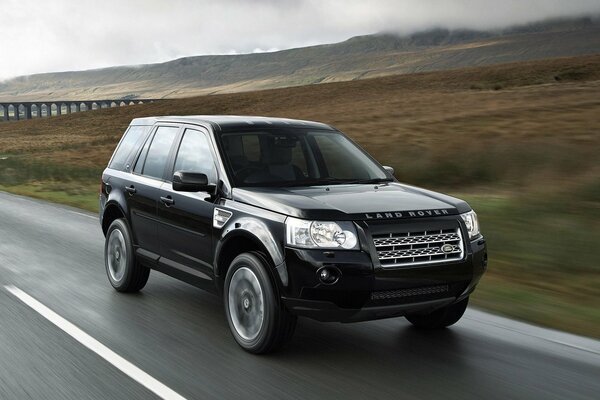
pixel 321 234
pixel 472 223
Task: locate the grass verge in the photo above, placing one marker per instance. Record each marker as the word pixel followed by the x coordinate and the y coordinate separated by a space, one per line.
pixel 84 197
pixel 73 186
pixel 544 260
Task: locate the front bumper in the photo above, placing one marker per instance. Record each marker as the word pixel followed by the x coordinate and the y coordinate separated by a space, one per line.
pixel 329 312
pixel 366 291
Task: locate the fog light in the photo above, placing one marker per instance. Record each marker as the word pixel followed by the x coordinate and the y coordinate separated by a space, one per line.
pixel 329 275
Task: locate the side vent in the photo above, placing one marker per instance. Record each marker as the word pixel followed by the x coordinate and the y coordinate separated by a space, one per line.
pixel 220 217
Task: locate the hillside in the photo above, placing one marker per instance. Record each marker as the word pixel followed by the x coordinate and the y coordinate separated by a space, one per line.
pixel 357 58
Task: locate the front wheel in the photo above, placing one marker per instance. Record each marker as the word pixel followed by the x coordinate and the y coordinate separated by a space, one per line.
pixel 258 320
pixel 441 317
pixel 125 273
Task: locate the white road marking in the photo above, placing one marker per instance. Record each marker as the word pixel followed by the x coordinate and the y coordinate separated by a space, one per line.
pixel 84 215
pixel 119 362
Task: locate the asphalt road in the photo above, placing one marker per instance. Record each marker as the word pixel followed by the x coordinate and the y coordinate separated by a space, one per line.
pixel 178 335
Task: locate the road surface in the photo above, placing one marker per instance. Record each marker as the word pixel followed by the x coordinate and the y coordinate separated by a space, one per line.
pixel 178 337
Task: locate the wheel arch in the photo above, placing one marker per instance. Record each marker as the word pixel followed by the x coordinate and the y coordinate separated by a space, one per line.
pixel 112 211
pixel 235 243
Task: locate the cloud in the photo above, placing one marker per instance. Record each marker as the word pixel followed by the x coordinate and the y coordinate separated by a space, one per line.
pixel 71 35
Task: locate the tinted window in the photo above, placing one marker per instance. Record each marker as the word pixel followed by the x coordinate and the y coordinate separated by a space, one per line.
pixel 336 161
pixel 297 157
pixel 156 160
pixel 130 142
pixel 195 156
pixel 251 147
pixel 139 165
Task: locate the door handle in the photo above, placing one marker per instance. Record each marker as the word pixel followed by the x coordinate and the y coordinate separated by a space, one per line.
pixel 167 201
pixel 130 189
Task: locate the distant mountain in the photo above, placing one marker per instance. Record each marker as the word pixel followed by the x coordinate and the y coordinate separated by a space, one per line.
pixel 356 58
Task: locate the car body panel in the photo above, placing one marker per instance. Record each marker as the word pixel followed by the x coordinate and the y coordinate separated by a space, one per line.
pixel 345 202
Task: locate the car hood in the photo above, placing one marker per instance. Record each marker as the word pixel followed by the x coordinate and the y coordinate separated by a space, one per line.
pixel 352 202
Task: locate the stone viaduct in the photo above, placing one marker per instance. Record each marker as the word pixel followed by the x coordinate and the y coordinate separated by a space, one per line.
pixel 28 109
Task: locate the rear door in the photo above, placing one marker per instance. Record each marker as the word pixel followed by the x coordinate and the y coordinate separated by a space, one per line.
pixel 142 192
pixel 185 229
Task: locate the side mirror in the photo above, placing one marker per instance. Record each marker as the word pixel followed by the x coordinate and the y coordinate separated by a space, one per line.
pixel 190 182
pixel 388 169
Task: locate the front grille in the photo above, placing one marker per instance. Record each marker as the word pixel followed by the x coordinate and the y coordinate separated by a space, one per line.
pixel 401 293
pixel 424 247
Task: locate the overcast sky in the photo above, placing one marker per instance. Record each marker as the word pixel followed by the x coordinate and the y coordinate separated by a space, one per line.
pixel 59 35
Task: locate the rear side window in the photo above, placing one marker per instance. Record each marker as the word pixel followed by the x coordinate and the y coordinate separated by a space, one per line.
pixel 131 140
pixel 158 153
pixel 139 165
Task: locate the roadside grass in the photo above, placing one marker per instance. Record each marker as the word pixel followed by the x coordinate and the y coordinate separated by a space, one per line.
pixel 85 197
pixel 537 305
pixel 544 258
pixel 524 157
pixel 77 187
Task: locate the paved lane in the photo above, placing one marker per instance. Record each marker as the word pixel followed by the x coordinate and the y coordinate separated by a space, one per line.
pixel 179 335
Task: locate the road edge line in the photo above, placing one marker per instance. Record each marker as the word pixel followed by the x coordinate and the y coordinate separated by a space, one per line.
pixel 94 345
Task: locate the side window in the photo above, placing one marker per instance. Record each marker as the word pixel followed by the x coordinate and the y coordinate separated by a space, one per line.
pixel 131 140
pixel 139 165
pixel 194 155
pixel 158 152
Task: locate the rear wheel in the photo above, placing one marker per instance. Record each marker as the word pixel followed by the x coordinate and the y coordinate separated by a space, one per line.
pixel 441 317
pixel 125 273
pixel 258 320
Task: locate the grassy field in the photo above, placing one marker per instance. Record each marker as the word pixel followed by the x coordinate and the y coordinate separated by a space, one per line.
pixel 519 141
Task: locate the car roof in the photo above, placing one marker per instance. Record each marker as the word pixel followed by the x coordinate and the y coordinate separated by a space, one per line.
pixel 225 123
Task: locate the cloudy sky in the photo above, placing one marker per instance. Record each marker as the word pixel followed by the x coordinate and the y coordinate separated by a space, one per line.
pixel 58 35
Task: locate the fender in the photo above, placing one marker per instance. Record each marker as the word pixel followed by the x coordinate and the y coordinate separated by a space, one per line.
pixel 115 199
pixel 259 232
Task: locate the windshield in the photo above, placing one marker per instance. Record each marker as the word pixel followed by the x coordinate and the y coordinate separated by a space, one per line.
pixel 296 157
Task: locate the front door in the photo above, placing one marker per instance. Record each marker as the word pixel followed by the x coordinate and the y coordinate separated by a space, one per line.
pixel 185 227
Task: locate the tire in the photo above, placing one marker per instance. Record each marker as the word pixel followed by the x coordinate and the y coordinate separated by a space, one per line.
pixel 440 318
pixel 258 320
pixel 125 273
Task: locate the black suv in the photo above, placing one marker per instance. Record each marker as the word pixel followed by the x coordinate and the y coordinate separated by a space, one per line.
pixel 283 218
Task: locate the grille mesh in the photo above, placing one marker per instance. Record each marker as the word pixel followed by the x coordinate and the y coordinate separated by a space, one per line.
pixel 400 293
pixel 425 247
